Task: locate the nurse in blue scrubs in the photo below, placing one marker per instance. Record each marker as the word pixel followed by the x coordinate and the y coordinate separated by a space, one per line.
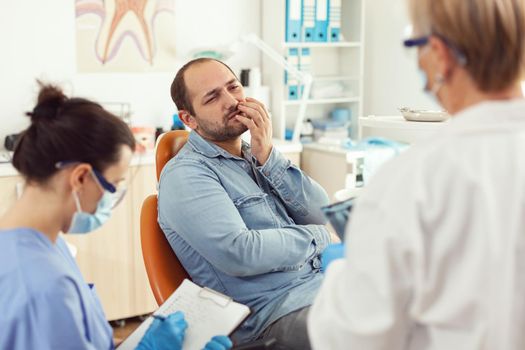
pixel 73 156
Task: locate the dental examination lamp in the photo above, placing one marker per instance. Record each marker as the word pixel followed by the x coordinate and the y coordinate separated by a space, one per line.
pixel 303 78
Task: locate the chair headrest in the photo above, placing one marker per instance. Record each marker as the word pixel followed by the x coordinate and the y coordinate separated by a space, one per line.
pixel 168 145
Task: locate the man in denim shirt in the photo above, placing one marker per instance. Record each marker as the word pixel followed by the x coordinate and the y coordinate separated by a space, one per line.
pixel 241 218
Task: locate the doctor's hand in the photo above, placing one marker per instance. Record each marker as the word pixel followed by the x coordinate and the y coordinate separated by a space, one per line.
pixel 219 342
pixel 165 333
pixel 257 120
pixel 331 253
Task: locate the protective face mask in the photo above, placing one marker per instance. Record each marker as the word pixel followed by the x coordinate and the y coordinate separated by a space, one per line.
pixel 432 91
pixel 83 222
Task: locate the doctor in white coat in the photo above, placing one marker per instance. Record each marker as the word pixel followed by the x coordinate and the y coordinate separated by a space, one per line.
pixel 435 249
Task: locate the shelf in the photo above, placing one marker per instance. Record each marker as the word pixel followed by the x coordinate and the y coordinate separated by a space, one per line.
pixel 318 78
pixel 398 122
pixel 314 44
pixel 337 67
pixel 323 101
pixel 285 146
pixel 325 148
pixel 397 128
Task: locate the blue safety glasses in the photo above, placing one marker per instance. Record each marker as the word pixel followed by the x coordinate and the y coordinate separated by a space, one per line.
pixel 105 184
pixel 416 42
pixel 423 40
pixel 117 192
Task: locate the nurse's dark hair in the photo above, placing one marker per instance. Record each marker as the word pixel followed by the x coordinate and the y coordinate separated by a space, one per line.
pixel 68 129
pixel 179 90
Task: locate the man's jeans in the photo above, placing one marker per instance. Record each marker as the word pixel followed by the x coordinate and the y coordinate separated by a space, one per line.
pixel 290 331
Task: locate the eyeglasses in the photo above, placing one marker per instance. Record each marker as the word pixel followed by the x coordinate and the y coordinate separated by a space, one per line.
pixel 416 42
pixel 117 192
pixel 423 40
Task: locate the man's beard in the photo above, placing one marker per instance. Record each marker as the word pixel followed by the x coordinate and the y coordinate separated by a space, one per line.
pixel 227 130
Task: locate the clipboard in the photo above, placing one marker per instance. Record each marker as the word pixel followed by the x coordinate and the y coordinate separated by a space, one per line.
pixel 207 312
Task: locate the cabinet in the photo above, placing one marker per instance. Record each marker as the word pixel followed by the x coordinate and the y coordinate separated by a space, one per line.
pixel 8 185
pixel 342 163
pixel 316 158
pixel 144 183
pixel 330 62
pixel 111 257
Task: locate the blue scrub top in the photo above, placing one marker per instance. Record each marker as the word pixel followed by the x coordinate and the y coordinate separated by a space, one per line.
pixel 44 301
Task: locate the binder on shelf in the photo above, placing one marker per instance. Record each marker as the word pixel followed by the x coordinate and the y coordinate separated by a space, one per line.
pixel 207 312
pixel 334 20
pixel 292 83
pixel 305 65
pixel 293 20
pixel 321 20
pixel 308 20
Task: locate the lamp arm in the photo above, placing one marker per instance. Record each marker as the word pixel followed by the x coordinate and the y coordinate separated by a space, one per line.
pixel 275 56
pixel 304 78
pixel 302 110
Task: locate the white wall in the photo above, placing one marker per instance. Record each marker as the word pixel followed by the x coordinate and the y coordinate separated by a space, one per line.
pixel 38 41
pixel 391 75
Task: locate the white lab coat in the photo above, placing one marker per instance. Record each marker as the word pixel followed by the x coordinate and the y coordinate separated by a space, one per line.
pixel 435 249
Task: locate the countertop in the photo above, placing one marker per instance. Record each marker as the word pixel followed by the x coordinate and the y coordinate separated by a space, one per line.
pixel 7 169
pixel 148 158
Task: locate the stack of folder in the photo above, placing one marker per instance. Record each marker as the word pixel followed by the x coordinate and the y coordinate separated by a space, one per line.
pixel 313 20
pixel 291 81
pixel 309 21
pixel 300 59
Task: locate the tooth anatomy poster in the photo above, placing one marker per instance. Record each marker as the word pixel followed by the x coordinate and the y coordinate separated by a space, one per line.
pixel 125 35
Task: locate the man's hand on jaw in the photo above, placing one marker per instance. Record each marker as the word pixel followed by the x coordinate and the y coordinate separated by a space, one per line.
pixel 258 121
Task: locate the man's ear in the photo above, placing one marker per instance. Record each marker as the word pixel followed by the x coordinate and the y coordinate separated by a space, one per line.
pixel 78 176
pixel 188 119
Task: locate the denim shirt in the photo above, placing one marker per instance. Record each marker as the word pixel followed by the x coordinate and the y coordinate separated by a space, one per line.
pixel 252 232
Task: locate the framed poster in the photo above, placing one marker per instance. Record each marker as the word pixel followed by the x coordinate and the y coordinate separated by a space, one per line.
pixel 125 35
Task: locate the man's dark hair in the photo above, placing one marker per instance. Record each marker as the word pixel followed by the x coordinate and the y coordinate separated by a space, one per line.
pixel 179 90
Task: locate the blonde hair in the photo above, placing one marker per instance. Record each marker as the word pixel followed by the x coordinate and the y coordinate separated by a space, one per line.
pixel 489 33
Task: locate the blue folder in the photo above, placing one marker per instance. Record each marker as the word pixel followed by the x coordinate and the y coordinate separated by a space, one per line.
pixel 321 20
pixel 308 20
pixel 293 20
pixel 292 83
pixel 334 16
pixel 305 64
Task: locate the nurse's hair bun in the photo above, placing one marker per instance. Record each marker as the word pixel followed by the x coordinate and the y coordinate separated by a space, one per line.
pixel 49 103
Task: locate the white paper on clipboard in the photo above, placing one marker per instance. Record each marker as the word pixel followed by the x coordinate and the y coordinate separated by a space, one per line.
pixel 207 312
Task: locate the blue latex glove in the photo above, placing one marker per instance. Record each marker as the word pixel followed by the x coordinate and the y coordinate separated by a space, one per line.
pixel 219 342
pixel 165 333
pixel 331 253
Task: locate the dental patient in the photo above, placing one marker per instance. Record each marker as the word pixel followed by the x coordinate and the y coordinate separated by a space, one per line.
pixel 241 218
